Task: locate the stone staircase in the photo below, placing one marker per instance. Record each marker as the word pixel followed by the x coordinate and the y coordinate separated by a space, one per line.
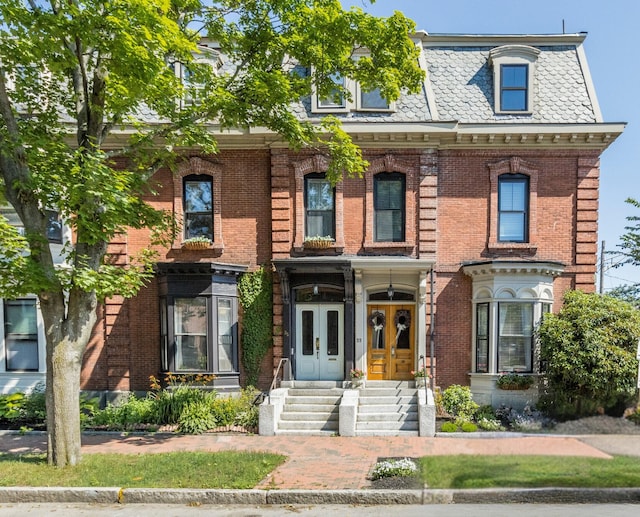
pixel 311 408
pixel 388 408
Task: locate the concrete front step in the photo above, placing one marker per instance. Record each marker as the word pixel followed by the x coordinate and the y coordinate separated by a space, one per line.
pixel 388 426
pixel 387 392
pixel 330 400
pixel 384 432
pixel 303 432
pixel 385 401
pixel 411 416
pixel 312 384
pixel 308 392
pixel 308 425
pixel 322 408
pixel 390 384
pixel 310 416
pixel 387 408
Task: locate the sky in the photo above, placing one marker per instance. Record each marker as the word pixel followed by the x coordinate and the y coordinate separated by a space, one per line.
pixel 612 54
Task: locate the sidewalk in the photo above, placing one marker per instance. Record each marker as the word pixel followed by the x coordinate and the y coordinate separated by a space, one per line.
pixel 331 469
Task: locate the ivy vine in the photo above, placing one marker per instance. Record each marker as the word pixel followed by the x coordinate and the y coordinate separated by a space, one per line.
pixel 256 298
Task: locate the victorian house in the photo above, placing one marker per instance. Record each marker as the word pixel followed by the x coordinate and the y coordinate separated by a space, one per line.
pixel 478 210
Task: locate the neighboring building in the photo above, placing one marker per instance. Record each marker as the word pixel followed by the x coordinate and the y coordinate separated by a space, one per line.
pixel 477 212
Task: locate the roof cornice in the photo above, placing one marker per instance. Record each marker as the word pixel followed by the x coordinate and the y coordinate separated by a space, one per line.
pixel 441 134
pixel 435 39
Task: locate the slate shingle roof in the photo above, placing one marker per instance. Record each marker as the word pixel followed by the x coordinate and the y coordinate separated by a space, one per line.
pixel 462 81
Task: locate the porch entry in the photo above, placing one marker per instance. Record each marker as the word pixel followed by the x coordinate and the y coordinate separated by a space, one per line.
pixel 319 342
pixel 390 341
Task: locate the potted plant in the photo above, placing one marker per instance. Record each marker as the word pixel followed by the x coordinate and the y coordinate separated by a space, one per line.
pixel 514 381
pixel 420 376
pixel 318 242
pixel 196 243
pixel 357 377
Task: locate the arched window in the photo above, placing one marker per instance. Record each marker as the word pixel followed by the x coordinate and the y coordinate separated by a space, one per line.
pixel 198 206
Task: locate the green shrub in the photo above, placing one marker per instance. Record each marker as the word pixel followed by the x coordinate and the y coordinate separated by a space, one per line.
pixel 126 415
pixel 458 401
pixel 489 424
pixel 589 352
pixel 170 403
pixel 485 411
pixel 225 410
pixel 196 417
pixel 469 427
pixel 11 406
pixel 449 427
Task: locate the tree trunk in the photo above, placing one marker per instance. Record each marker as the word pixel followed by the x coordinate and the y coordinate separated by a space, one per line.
pixel 68 327
pixel 63 403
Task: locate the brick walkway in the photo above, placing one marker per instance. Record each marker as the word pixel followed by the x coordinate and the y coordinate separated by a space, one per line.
pixel 317 462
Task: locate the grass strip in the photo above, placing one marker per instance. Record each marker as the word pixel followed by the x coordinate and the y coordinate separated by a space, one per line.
pixel 227 469
pixel 466 471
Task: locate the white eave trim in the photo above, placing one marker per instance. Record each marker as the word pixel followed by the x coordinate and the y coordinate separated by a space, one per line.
pixel 493 268
pixel 591 89
pixel 391 263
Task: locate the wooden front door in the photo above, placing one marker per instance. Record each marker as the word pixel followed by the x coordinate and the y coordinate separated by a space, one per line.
pixel 390 342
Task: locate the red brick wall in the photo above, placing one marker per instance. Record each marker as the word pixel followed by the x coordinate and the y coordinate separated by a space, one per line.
pixel 566 211
pixel 125 349
pixel 259 207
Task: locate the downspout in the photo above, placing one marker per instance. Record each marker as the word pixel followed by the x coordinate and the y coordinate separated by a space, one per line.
pixel 431 330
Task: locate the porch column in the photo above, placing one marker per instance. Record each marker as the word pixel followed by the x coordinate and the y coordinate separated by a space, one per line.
pixel 349 313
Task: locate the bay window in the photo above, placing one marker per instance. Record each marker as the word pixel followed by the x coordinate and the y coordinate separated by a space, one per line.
pixel 515 337
pixel 199 320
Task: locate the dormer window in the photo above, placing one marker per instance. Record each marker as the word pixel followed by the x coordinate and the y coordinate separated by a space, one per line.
pixel 513 87
pixel 355 99
pixel 191 75
pixel 335 101
pixel 513 74
pixel 372 100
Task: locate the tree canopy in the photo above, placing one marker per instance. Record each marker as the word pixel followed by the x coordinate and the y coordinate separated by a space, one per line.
pixel 89 112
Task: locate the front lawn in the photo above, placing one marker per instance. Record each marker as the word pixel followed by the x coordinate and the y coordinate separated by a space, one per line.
pixel 465 471
pixel 226 469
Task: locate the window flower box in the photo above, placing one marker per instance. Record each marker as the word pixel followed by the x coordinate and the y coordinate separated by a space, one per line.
pixel 318 243
pixel 196 243
pixel 514 381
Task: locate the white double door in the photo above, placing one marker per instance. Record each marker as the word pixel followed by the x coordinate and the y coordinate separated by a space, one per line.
pixel 319 342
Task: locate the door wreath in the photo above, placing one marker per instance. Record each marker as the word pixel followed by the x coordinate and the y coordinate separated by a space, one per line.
pixel 402 321
pixel 377 320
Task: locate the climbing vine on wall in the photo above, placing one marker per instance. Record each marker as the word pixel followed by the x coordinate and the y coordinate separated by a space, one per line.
pixel 256 299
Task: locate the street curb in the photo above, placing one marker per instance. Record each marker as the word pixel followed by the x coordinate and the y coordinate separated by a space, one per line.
pixel 110 495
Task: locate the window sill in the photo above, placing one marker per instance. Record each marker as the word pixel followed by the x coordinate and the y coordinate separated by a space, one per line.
pixel 508 247
pixel 388 245
pixel 215 246
pixel 333 249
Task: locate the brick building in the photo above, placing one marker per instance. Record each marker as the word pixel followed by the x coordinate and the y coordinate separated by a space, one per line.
pixel 478 211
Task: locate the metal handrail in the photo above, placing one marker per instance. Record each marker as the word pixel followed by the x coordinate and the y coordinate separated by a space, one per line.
pixel 424 369
pixel 282 361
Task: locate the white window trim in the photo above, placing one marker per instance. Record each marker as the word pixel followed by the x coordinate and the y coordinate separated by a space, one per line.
pixel 317 107
pixel 198 166
pixel 391 106
pixel 42 349
pixel 513 55
pixel 204 55
pixel 355 104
